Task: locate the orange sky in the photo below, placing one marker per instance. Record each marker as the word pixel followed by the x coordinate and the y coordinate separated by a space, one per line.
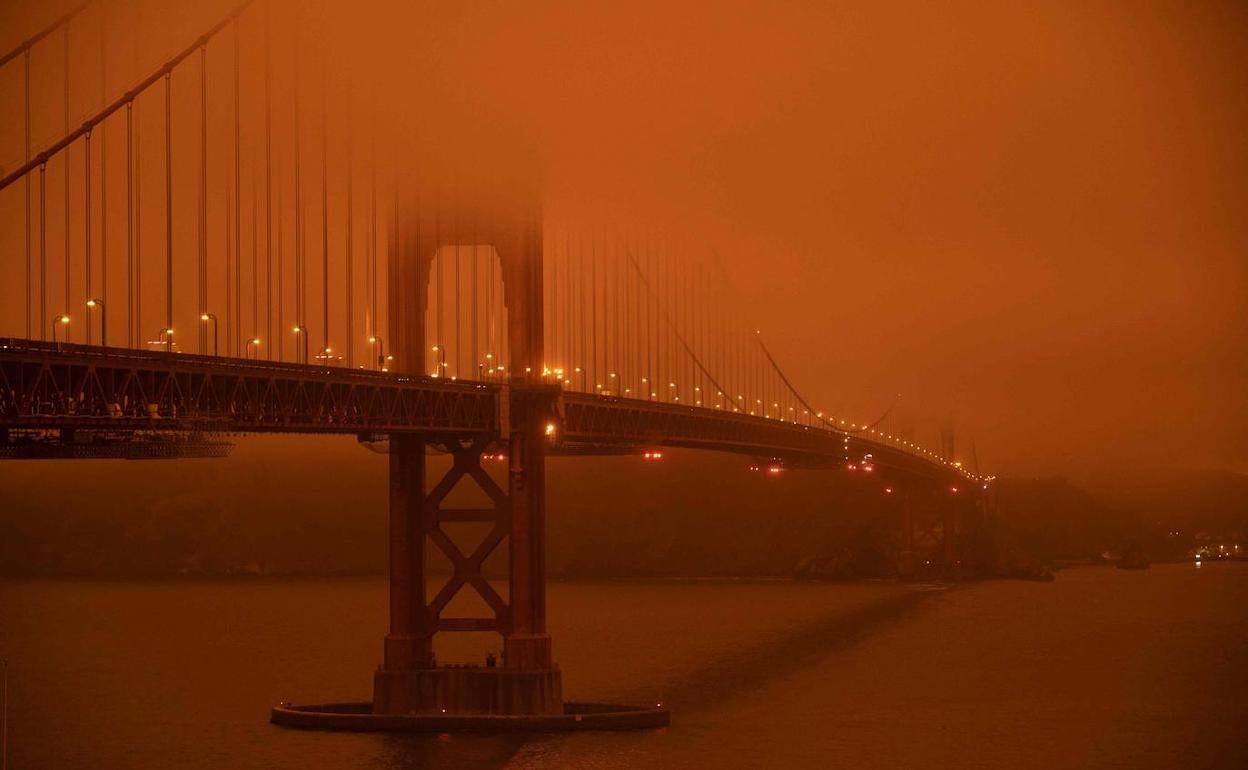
pixel 1024 215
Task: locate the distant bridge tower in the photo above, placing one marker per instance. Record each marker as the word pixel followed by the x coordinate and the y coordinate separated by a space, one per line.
pixel 527 682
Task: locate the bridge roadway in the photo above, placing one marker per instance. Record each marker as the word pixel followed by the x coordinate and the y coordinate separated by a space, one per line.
pixel 47 386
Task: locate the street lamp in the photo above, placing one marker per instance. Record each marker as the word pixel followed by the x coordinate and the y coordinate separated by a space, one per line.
pixel 253 342
pixel 60 320
pixel 441 351
pixel 94 303
pixel 206 317
pixel 300 330
pixel 167 334
pixel 381 350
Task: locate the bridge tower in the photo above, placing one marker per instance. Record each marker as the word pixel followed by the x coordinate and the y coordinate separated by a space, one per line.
pixel 527 681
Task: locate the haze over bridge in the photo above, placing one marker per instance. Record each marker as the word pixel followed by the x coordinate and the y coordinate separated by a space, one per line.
pixel 198 281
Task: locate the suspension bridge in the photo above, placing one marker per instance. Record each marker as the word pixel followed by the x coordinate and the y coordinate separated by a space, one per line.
pixel 202 251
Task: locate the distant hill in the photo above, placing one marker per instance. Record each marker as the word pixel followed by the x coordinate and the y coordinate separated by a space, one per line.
pixel 1179 498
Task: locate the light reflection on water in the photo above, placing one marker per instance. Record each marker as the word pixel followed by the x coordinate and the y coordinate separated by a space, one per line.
pixel 1101 668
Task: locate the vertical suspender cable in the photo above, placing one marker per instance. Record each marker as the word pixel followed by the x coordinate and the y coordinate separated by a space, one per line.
pixel 281 276
pixel 268 177
pixel 281 285
pixel 652 313
pixel 169 211
pixel 491 348
pixel 350 266
pixel 476 288
pixel 593 309
pixel 130 223
pixel 639 319
pixel 103 173
pixel 439 340
pixel 582 279
pixel 374 328
pixel 134 125
pixel 673 298
pixel 43 250
pixel 138 223
pixel 621 294
pixel 554 301
pixel 86 220
pixel 26 124
pixel 202 272
pixel 634 316
pixel 459 319
pixel 569 309
pixel 65 244
pixel 255 262
pixel 238 200
pixel 324 195
pixel 300 283
pixel 620 301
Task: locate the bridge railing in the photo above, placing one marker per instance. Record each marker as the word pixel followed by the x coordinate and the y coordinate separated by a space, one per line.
pixel 82 386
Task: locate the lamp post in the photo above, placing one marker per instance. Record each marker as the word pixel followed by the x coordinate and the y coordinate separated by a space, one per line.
pixel 60 320
pixel 303 333
pixel 167 334
pixel 94 303
pixel 254 342
pixel 441 351
pixel 381 351
pixel 206 317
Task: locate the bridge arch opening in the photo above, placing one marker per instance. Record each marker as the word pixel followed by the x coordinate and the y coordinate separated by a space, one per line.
pixel 466 317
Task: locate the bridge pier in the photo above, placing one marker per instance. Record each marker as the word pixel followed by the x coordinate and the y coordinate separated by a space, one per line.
pixel 528 682
pixel 930 526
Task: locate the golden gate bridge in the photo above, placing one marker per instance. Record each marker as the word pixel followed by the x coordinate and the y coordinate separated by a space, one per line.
pixel 195 264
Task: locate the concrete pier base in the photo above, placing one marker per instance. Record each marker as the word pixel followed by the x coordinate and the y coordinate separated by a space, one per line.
pixel 574 716
pixel 468 690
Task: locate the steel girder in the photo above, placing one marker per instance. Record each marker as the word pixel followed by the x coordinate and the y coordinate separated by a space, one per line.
pixel 604 421
pixel 43 385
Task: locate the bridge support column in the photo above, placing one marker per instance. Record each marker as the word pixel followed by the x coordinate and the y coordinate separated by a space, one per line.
pixel 409 681
pixel 409 644
pixel 526 644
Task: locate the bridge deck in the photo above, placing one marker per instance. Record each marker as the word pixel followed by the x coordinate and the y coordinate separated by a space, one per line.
pixel 83 387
